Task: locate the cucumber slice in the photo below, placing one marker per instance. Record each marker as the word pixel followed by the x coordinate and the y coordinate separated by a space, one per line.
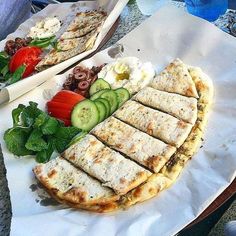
pixel 123 95
pixel 102 110
pixel 98 94
pixel 98 85
pixel 85 115
pixel 77 138
pixel 112 98
pixel 107 105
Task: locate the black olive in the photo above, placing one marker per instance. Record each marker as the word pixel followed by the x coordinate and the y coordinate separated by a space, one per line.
pixel 83 85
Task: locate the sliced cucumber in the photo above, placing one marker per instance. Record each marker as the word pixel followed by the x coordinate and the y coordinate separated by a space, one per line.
pixel 77 138
pixel 85 115
pixel 98 85
pixel 102 110
pixel 112 98
pixel 98 94
pixel 123 95
pixel 107 105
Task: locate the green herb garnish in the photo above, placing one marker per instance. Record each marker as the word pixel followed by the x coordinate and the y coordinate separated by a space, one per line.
pixel 36 133
pixel 43 42
pixel 17 75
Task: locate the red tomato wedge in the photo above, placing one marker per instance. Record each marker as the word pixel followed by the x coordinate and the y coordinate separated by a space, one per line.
pixel 62 105
pixel 68 97
pixel 58 113
pixel 59 105
pixel 28 56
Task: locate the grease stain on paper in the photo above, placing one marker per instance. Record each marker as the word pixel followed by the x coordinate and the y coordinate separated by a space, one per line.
pixel 116 51
pixel 44 199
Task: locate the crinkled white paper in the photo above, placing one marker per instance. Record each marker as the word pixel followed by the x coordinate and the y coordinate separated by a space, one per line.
pixel 169 34
pixel 65 12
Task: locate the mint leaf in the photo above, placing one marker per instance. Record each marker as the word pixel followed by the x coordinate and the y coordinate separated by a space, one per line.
pixel 30 113
pixel 4 60
pixel 16 114
pixel 15 139
pixel 44 155
pixel 17 75
pixel 5 70
pixel 35 141
pixel 63 137
pixel 40 120
pixel 50 126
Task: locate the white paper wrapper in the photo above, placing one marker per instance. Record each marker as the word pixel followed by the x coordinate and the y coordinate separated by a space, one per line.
pixel 170 33
pixel 65 12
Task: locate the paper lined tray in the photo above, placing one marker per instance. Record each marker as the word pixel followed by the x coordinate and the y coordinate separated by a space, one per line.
pixel 64 12
pixel 211 170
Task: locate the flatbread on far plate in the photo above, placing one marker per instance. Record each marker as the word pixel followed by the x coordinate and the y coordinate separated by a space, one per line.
pixel 83 19
pixel 68 49
pixel 79 37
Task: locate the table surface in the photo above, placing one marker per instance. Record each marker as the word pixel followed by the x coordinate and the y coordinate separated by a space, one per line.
pixel 130 18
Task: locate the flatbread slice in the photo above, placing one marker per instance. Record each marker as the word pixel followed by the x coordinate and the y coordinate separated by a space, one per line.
pixel 181 107
pixel 172 169
pixel 203 85
pixel 68 44
pixel 135 144
pixel 155 184
pixel 67 49
pixel 80 32
pixel 106 165
pixel 155 123
pixel 68 183
pixel 175 78
pixel 83 19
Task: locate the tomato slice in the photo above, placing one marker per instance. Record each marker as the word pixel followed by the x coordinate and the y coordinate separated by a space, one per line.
pixel 68 97
pixel 60 114
pixel 59 105
pixel 62 104
pixel 28 56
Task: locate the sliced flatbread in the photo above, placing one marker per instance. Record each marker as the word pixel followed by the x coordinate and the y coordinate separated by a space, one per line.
pixel 172 169
pixel 183 108
pixel 175 79
pixel 66 50
pixel 155 123
pixel 83 19
pixel 68 44
pixel 66 182
pixel 106 165
pixel 135 144
pixel 80 32
pixel 203 85
pixel 155 184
